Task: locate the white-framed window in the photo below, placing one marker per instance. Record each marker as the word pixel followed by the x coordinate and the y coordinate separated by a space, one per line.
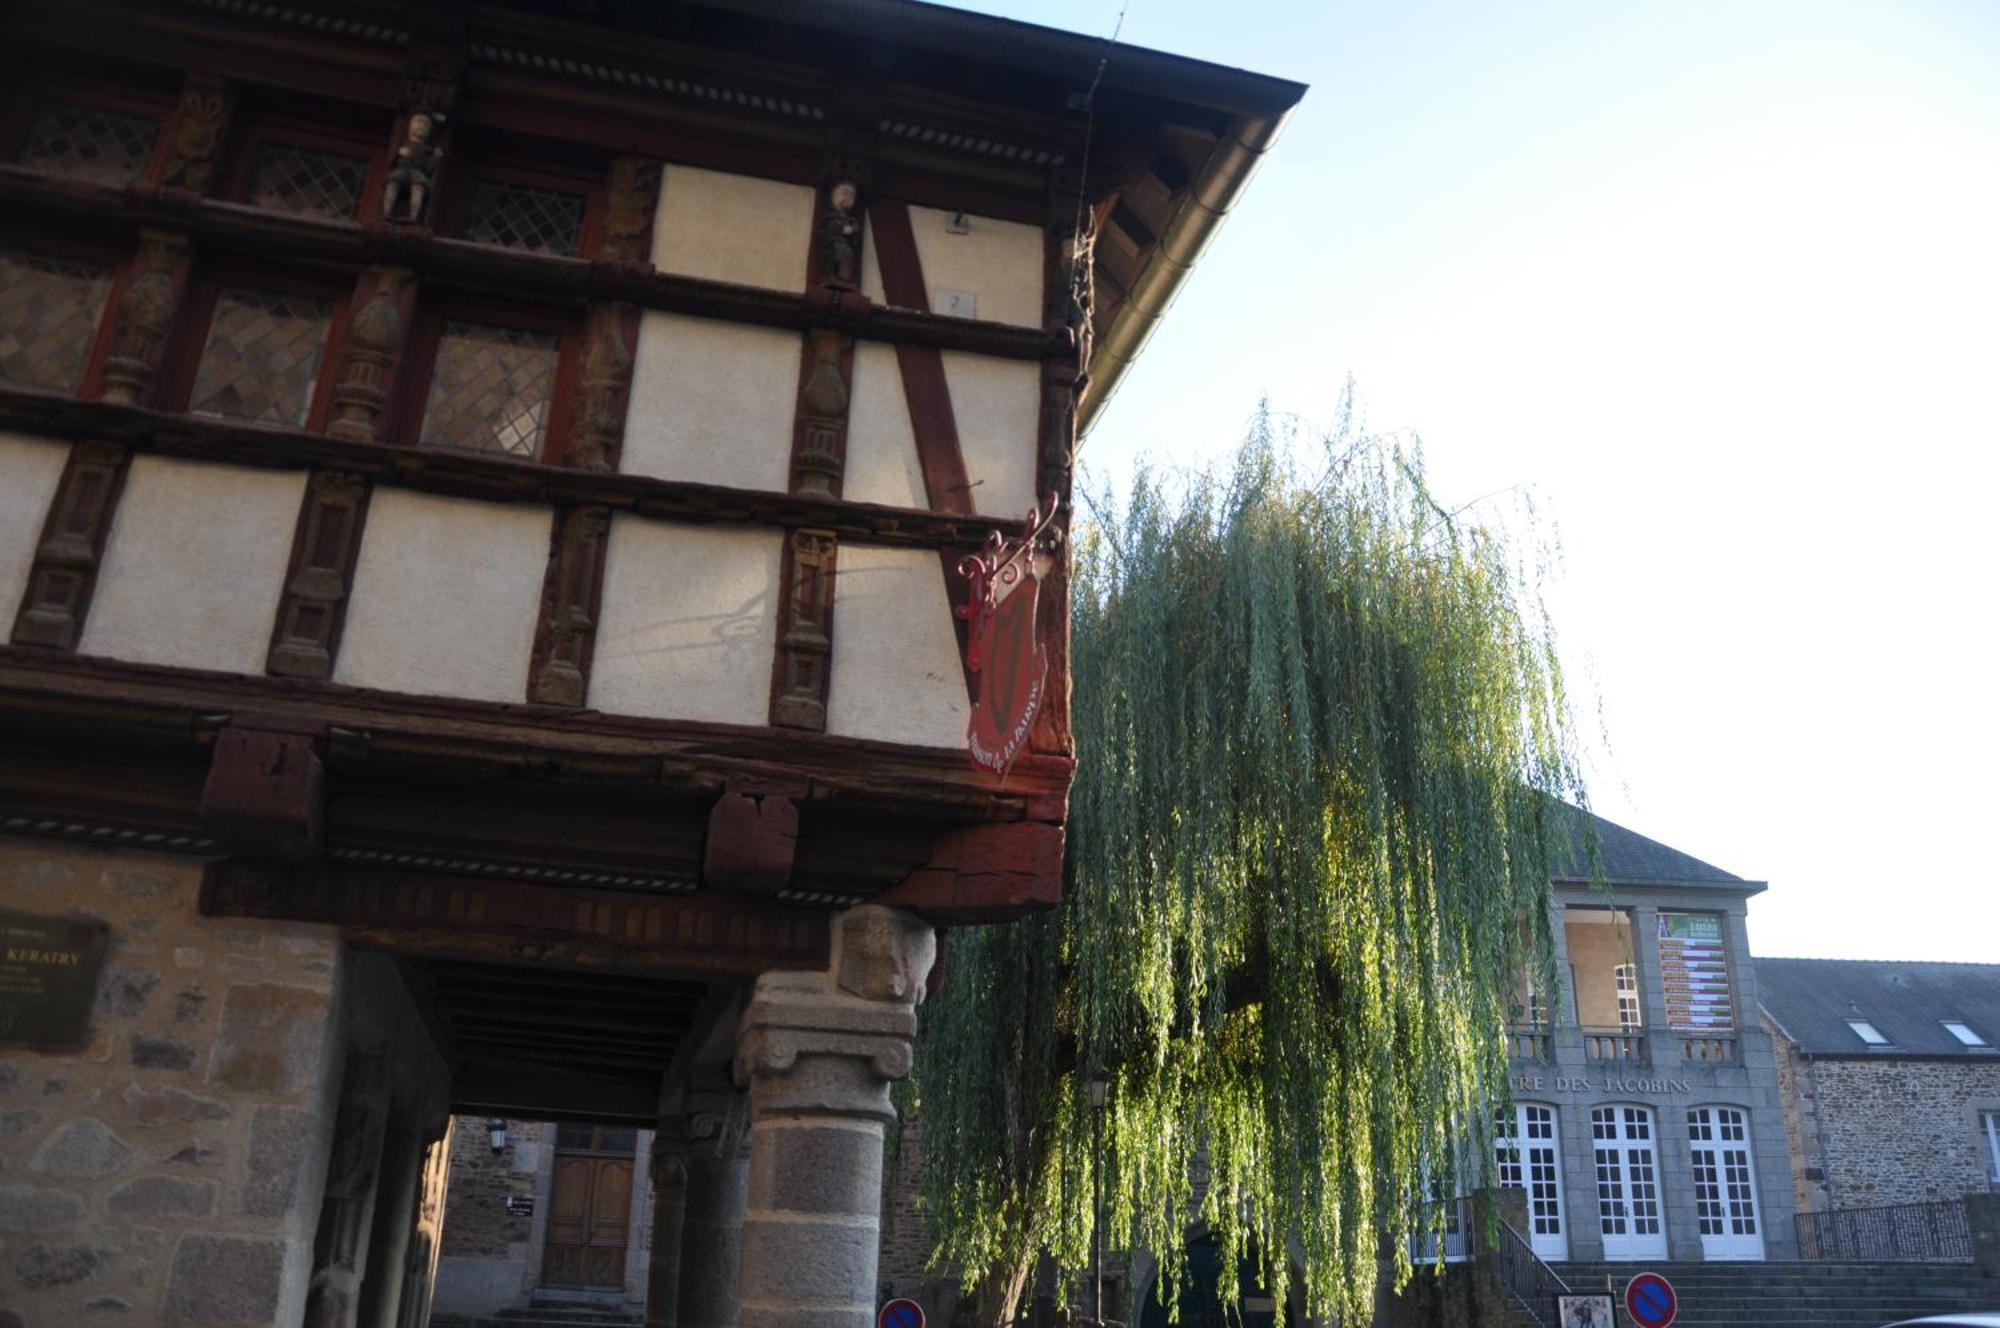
pixel 1989 1135
pixel 1868 1033
pixel 1625 977
pixel 1963 1031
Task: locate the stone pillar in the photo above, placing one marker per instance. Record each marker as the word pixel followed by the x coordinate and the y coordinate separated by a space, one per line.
pixel 818 1052
pixel 712 1211
pixel 663 1259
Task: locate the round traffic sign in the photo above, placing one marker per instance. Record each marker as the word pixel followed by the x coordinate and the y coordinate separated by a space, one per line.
pixel 901 1313
pixel 1650 1300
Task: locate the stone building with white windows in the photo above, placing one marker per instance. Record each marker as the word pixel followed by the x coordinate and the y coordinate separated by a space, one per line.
pixel 1890 1073
pixel 1647 1124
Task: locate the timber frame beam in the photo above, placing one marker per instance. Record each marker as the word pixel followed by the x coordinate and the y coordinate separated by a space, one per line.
pixel 241 230
pixel 479 475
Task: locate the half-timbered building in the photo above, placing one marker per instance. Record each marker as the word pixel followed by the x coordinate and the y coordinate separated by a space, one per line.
pixel 487 496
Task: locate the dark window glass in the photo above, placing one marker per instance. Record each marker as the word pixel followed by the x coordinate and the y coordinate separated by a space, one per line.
pixel 490 389
pixel 289 178
pixel 262 357
pixel 542 221
pixel 89 143
pixel 49 309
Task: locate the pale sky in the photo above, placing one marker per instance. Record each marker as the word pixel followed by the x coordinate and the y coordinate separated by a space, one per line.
pixel 1719 284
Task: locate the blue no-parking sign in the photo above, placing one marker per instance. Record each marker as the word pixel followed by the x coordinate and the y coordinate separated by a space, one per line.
pixel 901 1313
pixel 1650 1300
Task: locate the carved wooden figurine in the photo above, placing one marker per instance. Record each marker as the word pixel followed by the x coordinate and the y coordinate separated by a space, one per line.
pixel 840 237
pixel 628 210
pixel 197 134
pixel 407 191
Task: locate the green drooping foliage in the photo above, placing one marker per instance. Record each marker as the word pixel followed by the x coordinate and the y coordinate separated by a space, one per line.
pixel 1323 749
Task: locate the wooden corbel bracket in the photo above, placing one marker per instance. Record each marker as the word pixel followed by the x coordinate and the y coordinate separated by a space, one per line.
pixel 265 796
pixel 753 838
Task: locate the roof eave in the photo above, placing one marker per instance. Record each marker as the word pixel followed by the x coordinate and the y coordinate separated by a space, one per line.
pixel 1223 179
pixel 1638 883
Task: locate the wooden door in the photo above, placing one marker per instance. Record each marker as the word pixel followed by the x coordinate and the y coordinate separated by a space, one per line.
pixel 590 1204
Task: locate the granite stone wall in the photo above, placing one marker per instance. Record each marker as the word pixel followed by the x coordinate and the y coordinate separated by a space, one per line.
pixel 170 1172
pixel 1900 1131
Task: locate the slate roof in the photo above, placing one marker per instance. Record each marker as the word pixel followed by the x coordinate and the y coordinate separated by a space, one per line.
pixel 1812 999
pixel 1630 858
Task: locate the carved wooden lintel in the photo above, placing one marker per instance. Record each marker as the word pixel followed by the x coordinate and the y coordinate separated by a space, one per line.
pixel 470 917
pixel 66 561
pixel 195 140
pixel 603 384
pixel 145 314
pixel 631 199
pixel 567 631
pixel 800 673
pixel 327 541
pixel 265 796
pixel 374 337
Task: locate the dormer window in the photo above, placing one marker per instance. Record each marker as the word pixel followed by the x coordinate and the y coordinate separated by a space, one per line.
pixel 1868 1033
pixel 1964 1033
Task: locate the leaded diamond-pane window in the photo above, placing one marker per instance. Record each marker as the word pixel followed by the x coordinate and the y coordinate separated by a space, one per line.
pixel 542 221
pixel 490 389
pixel 49 309
pixel 290 178
pixel 89 143
pixel 262 356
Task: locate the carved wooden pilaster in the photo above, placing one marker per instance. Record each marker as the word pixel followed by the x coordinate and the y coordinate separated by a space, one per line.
pixel 66 561
pixel 801 676
pixel 632 197
pixel 353 1171
pixel 373 339
pixel 328 539
pixel 819 438
pixel 603 384
pixel 567 632
pixel 1068 308
pixel 145 314
pixel 201 122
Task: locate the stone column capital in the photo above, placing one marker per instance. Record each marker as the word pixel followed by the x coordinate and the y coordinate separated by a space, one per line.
pixel 806 1045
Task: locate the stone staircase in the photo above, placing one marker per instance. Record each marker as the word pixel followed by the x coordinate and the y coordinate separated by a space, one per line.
pixel 1799 1295
pixel 547 1313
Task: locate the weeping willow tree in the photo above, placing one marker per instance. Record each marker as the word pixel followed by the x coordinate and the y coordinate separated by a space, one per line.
pixel 1323 752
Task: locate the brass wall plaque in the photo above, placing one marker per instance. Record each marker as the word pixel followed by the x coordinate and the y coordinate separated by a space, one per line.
pixel 48 979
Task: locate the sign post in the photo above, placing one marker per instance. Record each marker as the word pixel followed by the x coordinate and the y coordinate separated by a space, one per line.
pixel 1650 1300
pixel 901 1312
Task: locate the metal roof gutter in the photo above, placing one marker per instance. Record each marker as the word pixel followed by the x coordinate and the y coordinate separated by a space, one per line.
pixel 1221 183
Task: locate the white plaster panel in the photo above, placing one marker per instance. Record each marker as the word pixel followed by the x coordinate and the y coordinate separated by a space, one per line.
pixel 733 228
pixel 712 402
pixel 194 565
pixel 996 405
pixel 882 465
pixel 999 263
pixel 446 595
pixel 897 676
pixel 30 469
pixel 689 622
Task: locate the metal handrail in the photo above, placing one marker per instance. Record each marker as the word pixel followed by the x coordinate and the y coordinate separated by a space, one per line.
pixel 1530 1281
pixel 1934 1232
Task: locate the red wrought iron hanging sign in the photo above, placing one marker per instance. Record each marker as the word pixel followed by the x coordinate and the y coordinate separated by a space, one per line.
pixel 1004 649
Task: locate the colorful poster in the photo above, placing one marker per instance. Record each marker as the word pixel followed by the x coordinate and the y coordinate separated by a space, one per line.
pixel 1695 973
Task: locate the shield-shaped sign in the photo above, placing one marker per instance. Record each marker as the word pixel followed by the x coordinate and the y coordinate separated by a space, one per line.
pixel 1014 666
pixel 1004 650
